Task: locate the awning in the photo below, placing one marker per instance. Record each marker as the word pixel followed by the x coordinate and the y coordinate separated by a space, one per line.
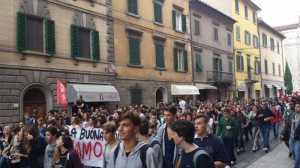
pixel 205 86
pixel 92 93
pixel 242 87
pixel 269 86
pixel 277 86
pixel 184 90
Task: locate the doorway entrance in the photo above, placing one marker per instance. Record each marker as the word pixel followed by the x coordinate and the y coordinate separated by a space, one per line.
pixel 35 99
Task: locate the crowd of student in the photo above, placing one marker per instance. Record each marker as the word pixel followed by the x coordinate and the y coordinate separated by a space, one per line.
pixel 186 134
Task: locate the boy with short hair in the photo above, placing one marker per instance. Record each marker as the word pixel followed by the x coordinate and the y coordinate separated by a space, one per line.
pixel 51 136
pixel 130 152
pixel 183 134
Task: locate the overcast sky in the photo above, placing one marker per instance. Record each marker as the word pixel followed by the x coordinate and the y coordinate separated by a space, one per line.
pixel 279 12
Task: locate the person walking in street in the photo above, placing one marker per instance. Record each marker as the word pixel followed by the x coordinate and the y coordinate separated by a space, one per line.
pixel 264 117
pixel 130 152
pixel 275 121
pixel 291 131
pixel 109 132
pixel 171 151
pixel 255 128
pixel 192 155
pixel 51 136
pixel 227 132
pixel 212 144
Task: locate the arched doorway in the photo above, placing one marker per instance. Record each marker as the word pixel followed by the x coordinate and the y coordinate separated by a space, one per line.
pixel 161 95
pixel 35 99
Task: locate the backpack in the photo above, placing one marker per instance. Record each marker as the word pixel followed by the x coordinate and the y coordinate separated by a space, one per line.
pixel 77 165
pixel 143 153
pixel 203 152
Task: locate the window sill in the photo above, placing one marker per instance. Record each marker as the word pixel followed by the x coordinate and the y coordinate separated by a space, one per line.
pixel 238 40
pixel 199 70
pixel 36 53
pixel 133 15
pixel 239 71
pixel 237 12
pixel 159 24
pixel 84 59
pixel 197 34
pixel 135 66
pixel 181 71
pixel 161 69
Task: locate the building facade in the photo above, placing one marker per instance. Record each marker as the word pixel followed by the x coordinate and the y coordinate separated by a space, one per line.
pixel 212 52
pixel 291 50
pixel 272 67
pixel 45 40
pixel 246 49
pixel 151 50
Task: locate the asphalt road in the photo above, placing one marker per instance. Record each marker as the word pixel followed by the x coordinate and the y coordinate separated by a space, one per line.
pixel 248 157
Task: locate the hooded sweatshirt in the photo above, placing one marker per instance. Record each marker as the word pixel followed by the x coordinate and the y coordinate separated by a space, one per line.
pixel 133 160
pixel 48 157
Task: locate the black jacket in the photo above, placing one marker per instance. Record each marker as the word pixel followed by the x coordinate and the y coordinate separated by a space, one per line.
pixel 287 129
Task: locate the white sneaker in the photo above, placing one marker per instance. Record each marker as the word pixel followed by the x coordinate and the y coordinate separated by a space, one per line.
pixel 227 166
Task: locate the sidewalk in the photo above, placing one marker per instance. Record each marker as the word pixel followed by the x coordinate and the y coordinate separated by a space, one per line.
pixel 277 157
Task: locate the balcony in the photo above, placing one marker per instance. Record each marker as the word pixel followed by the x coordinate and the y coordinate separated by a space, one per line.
pixel 220 77
pixel 252 78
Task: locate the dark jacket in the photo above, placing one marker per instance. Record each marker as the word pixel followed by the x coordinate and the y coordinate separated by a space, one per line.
pixel 287 129
pixel 73 160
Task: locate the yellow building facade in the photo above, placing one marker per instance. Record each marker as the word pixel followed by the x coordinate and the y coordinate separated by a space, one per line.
pixel 151 49
pixel 246 49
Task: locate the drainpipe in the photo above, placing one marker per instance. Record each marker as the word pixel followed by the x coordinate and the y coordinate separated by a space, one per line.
pixel 283 65
pixel 192 52
pixel 261 79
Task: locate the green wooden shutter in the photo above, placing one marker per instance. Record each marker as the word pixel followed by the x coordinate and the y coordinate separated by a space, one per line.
pixel 95 45
pixel 159 51
pixel 174 19
pixel 237 62
pixel 183 22
pixel 242 63
pixel 74 41
pixel 155 12
pixel 221 66
pixel 159 13
pixel 21 32
pixel 175 59
pixel 50 36
pixel 215 64
pixel 135 7
pixel 134 47
pixel 185 58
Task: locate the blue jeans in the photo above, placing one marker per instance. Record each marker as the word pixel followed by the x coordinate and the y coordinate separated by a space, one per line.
pixel 4 162
pixel 265 131
pixel 275 129
pixel 240 140
pixel 295 150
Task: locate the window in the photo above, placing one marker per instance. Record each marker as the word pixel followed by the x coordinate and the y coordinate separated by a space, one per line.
pixel 273 67
pixel 238 33
pixel 157 12
pixel 179 21
pixel 254 16
pixel 255 41
pixel 278 47
pixel 247 37
pixel 266 67
pixel 272 44
pixel 197 27
pixel 132 6
pixel 216 34
pixel 180 60
pixel 237 9
pixel 199 64
pixel 217 64
pixel 228 39
pixel 279 70
pixel 240 62
pixel 257 66
pixel 35 34
pixel 246 12
pixel 136 96
pixel 85 43
pixel 159 54
pixel 230 67
pixel 265 41
pixel 134 51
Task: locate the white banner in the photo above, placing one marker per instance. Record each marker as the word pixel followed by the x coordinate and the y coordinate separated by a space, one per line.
pixel 89 144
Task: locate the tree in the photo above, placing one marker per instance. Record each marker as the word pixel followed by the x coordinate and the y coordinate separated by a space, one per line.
pixel 288 79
